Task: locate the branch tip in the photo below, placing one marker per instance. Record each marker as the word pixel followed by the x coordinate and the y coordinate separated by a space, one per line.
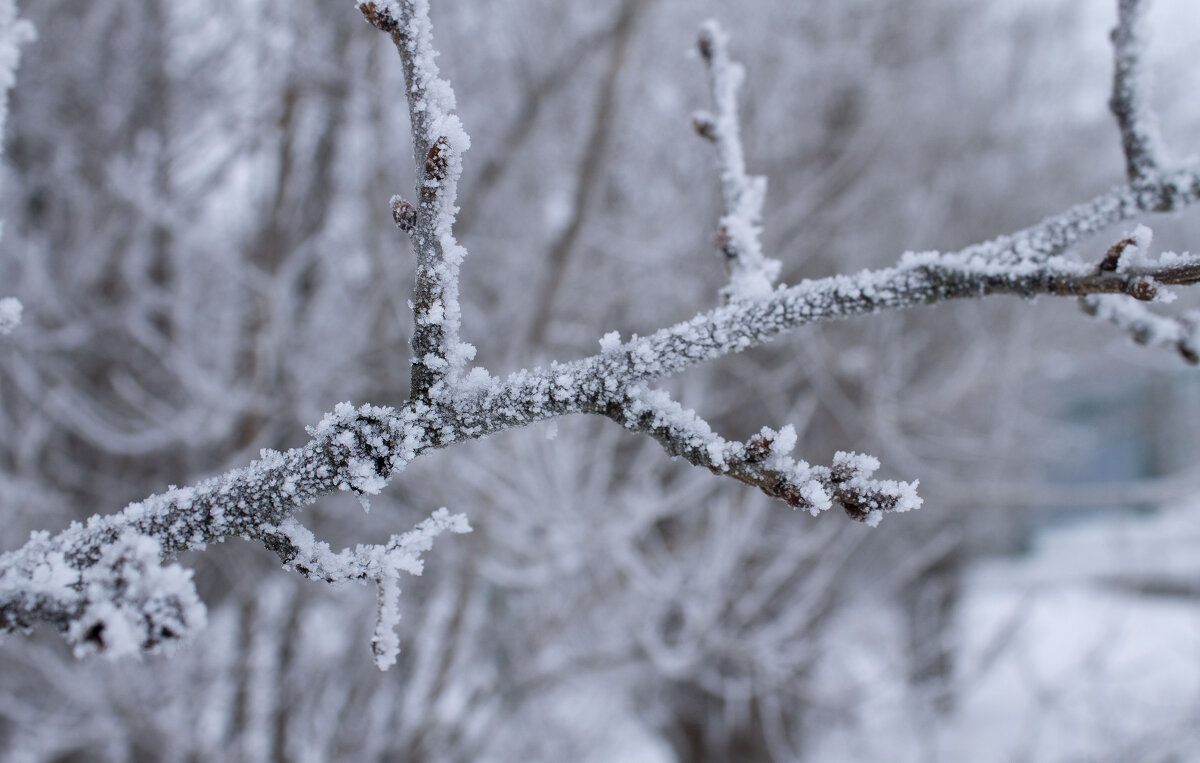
pixel 380 18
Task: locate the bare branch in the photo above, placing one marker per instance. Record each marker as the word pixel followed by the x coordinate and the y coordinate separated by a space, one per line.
pixel 438 143
pixel 74 577
pixel 1130 104
pixel 751 274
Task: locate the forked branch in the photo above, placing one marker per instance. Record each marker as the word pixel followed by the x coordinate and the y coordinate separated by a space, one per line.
pixel 101 582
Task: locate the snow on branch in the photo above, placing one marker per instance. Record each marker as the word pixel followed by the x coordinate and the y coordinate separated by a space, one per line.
pixel 765 461
pixel 1130 102
pixel 101 582
pixel 1132 253
pixel 751 274
pixel 438 141
pixel 301 551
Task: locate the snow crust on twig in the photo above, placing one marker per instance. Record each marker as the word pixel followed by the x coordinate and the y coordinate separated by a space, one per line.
pixel 751 274
pixel 1130 102
pixel 438 142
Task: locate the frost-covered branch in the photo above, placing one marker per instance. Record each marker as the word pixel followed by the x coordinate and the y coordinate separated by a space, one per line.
pixel 1179 334
pixel 438 140
pixel 751 273
pixel 1130 102
pixel 358 450
pixel 85 580
pixel 765 461
pixel 100 582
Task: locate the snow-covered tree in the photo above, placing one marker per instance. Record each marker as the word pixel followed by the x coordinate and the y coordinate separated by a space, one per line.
pixel 247 285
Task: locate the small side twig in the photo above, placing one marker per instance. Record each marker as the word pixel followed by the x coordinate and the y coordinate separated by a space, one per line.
pixel 438 141
pixel 765 461
pixel 1146 327
pixel 382 564
pixel 1140 139
pixel 751 274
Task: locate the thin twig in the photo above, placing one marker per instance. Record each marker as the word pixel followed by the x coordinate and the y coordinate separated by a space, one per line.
pixel 751 274
pixel 1130 102
pixel 764 461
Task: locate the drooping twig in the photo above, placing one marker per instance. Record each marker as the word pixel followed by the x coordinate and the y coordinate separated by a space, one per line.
pixel 438 140
pixel 90 581
pixel 1180 334
pixel 1130 101
pixel 751 274
pixel 379 563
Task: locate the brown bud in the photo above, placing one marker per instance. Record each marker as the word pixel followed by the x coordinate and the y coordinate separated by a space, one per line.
pixel 1188 352
pixel 1113 256
pixel 758 448
pixel 437 158
pixel 855 511
pixel 841 471
pixel 725 243
pixel 404 214
pixel 705 44
pixel 380 19
pixel 705 126
pixel 1142 289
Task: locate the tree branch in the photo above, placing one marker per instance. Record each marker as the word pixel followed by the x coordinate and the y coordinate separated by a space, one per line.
pixel 438 141
pixel 1140 139
pixel 1179 334
pixel 751 274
